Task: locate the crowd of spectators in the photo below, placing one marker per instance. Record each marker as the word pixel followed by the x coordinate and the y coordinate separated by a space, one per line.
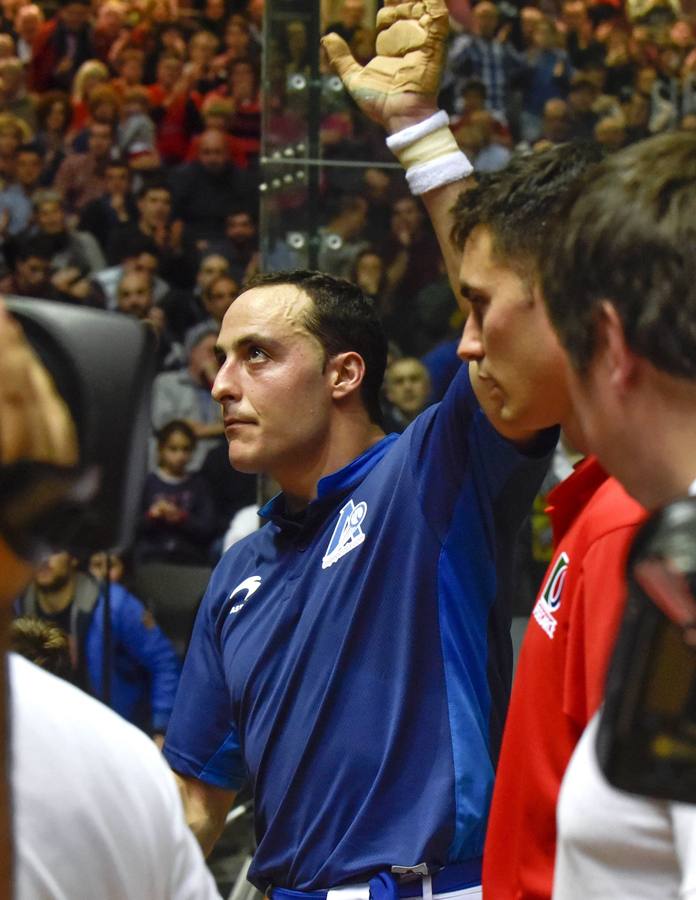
pixel 130 135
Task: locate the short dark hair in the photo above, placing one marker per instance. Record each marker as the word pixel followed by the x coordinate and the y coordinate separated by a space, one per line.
pixel 154 185
pixel 46 102
pixel 135 243
pixel 342 319
pixel 176 426
pixel 30 148
pixel 520 204
pixel 628 237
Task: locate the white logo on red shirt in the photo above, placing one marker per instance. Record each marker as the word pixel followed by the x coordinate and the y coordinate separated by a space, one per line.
pixel 549 601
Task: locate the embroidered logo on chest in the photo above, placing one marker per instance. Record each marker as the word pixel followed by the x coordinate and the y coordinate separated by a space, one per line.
pixel 347 534
pixel 243 591
pixel 549 601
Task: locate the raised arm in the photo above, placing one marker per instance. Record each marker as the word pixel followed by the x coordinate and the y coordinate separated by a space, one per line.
pixel 398 89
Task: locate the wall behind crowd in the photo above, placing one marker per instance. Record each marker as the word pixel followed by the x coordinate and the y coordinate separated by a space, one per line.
pixel 130 137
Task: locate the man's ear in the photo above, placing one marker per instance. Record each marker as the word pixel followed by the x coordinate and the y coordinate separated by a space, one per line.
pixel 619 361
pixel 347 371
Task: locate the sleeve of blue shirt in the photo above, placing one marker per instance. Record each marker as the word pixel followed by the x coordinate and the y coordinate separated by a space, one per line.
pixel 203 697
pixel 453 441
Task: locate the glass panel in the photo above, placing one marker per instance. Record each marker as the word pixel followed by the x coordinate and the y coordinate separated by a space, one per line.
pixel 316 146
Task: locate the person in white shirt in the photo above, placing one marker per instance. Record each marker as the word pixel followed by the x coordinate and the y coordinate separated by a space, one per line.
pixel 620 283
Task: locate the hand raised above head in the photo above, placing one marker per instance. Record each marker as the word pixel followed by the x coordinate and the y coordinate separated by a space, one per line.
pixel 399 86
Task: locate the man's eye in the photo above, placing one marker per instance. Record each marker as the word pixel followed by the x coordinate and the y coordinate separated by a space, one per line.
pixel 256 354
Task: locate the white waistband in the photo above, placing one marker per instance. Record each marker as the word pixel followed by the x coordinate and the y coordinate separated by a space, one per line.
pixel 362 892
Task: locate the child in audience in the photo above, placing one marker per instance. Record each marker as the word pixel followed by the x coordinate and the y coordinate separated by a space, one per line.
pixel 178 521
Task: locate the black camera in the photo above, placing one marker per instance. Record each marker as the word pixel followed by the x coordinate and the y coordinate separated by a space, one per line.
pixel 102 364
pixel 646 741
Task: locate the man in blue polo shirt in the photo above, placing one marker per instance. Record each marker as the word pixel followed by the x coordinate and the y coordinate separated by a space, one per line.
pixel 352 658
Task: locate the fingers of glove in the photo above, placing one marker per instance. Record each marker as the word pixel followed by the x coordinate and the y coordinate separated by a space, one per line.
pixel 339 56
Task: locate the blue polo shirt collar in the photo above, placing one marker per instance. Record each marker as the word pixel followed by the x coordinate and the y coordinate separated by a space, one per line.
pixel 329 488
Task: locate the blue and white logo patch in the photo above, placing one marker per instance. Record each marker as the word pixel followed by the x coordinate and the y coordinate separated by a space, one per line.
pixel 348 533
pixel 243 591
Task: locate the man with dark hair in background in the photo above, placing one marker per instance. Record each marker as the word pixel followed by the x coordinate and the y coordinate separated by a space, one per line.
pixel 177 258
pixel 145 669
pixel 82 176
pixel 185 394
pixel 61 46
pixel 207 188
pixel 620 282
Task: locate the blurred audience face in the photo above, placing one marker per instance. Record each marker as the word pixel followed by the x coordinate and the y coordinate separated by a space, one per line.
pixel 32 274
pixel 243 81
pixel 132 68
pixel 645 79
pixel 575 16
pixel 352 12
pixel 203 364
pixel 56 119
pixel 610 132
pixel 369 273
pixel 219 295
pixel 202 47
pixel 407 214
pixel 117 178
pixel 100 140
pixel 486 18
pixel 28 170
pixel 7 47
pixel 175 454
pixel 637 110
pixel 544 37
pixel 10 140
pixel 169 71
pixel 407 384
pixel 237 38
pixel 212 266
pixel 50 217
pixel 530 16
pixel 155 207
pixel 74 16
pixel 474 97
pixel 110 18
pixel 11 77
pixel 135 294
pixel 581 97
pixel 213 152
pixel 214 9
pixel 97 566
pixel 556 124
pixel 240 229
pixel 55 572
pixel 688 122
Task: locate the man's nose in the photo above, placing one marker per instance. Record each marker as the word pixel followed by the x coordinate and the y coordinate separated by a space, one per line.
pixel 226 384
pixel 470 346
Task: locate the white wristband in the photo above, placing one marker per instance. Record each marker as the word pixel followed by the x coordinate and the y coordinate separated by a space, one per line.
pixel 401 139
pixel 438 172
pixel 429 153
